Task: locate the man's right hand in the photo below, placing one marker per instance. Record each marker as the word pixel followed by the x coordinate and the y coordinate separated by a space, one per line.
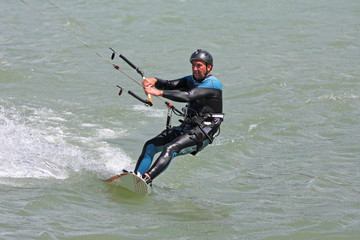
pixel 149 82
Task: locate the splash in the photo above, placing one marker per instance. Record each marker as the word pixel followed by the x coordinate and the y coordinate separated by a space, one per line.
pixel 29 151
pixel 24 153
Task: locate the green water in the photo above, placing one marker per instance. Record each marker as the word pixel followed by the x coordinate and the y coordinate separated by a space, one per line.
pixel 285 166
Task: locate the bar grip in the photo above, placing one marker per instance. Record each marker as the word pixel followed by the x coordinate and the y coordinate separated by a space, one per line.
pixel 127 61
pixel 147 102
pixel 132 65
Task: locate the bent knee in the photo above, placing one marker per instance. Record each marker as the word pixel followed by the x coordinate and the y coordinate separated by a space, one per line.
pixel 171 148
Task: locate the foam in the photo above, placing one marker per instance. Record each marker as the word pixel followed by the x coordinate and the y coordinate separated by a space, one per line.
pixel 32 145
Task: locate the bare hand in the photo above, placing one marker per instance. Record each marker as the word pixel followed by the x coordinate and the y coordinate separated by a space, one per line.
pixel 153 91
pixel 149 82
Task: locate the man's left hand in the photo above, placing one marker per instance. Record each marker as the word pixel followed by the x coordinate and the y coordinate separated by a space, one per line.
pixel 153 91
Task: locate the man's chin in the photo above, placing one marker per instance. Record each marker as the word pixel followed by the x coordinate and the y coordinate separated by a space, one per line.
pixel 197 77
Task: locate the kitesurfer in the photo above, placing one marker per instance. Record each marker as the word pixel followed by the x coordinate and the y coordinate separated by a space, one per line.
pixel 202 116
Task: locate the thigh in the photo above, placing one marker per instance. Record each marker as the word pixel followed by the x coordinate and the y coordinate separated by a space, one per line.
pixel 165 137
pixel 192 141
pixel 185 143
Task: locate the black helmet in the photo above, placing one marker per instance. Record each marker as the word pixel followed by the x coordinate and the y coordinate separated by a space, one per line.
pixel 203 56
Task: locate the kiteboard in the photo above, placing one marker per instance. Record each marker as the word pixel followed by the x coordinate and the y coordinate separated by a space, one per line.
pixel 131 182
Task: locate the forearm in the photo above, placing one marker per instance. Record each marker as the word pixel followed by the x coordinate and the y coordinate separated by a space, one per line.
pixel 177 84
pixel 176 95
pixel 191 95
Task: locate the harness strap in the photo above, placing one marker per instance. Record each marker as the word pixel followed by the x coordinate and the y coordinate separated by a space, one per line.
pixel 216 120
pixel 168 122
pixel 199 143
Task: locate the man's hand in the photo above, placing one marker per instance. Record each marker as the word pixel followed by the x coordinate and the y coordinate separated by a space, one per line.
pixel 149 82
pixel 153 91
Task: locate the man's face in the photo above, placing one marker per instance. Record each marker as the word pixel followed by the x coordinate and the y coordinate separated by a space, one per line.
pixel 200 70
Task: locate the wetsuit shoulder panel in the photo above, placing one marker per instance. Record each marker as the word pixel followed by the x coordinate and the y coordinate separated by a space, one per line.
pixel 211 82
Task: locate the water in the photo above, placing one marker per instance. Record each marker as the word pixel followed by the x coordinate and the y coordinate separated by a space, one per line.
pixel 286 165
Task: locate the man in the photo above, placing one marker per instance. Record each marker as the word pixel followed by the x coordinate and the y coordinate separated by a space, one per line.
pixel 202 116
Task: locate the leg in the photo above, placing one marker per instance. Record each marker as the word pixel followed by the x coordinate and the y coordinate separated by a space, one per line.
pixel 151 147
pixel 146 157
pixel 171 150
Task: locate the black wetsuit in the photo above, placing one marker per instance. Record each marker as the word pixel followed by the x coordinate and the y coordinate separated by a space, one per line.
pixel 203 116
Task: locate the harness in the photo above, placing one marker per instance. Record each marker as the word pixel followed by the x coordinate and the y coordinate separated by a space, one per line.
pixel 208 123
